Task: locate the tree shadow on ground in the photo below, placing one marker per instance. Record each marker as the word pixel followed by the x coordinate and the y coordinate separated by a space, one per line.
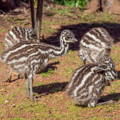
pixel 50 66
pixel 80 29
pixel 114 96
pixel 118 72
pixel 50 88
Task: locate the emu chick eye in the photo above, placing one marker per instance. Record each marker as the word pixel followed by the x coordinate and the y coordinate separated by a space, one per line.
pixel 67 38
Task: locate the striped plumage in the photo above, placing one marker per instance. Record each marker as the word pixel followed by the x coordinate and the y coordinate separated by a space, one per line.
pixel 89 81
pixel 28 58
pixel 93 43
pixel 18 34
pixel 110 73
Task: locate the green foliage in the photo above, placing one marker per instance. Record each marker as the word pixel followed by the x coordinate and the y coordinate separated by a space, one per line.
pixel 72 3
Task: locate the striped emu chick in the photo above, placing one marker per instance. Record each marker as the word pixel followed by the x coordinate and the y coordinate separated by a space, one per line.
pixel 93 43
pixel 18 34
pixel 89 81
pixel 28 58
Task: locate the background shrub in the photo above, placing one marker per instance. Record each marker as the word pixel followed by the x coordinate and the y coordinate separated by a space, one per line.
pixel 72 3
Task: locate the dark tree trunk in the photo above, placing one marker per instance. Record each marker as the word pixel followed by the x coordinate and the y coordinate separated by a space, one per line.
pixel 36 16
pixel 33 17
pixel 38 25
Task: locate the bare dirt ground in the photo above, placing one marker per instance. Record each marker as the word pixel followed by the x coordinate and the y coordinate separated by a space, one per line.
pixel 52 102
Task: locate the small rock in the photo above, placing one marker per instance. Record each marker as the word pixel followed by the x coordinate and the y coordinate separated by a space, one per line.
pixel 6 101
pixel 13 105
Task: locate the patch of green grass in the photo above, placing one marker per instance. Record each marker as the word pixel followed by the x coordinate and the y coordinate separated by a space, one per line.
pixel 2 30
pixel 48 73
pixel 39 84
pixel 11 19
pixel 48 22
pixel 1 114
pixel 115 47
pixel 114 87
pixel 100 118
pixel 86 17
pixel 37 108
pixel 73 56
pixel 40 110
pixel 1 47
pixel 7 97
pixel 2 99
pixel 73 108
pixel 58 116
pixel 68 71
pixel 97 18
pixel 17 119
pixel 22 106
pixel 17 21
pixel 48 30
pixel 107 17
pixel 62 11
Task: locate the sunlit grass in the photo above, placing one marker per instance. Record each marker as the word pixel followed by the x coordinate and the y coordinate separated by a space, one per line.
pixel 55 106
pixel 48 73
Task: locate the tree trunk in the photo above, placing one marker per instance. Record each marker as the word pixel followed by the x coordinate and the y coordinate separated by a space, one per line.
pixel 38 24
pixel 36 17
pixel 92 6
pixel 33 17
pixel 110 6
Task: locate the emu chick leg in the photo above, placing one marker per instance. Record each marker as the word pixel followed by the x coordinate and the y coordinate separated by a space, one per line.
pixel 29 85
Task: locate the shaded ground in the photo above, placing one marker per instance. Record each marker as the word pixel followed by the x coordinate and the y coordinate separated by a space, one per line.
pixel 52 102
